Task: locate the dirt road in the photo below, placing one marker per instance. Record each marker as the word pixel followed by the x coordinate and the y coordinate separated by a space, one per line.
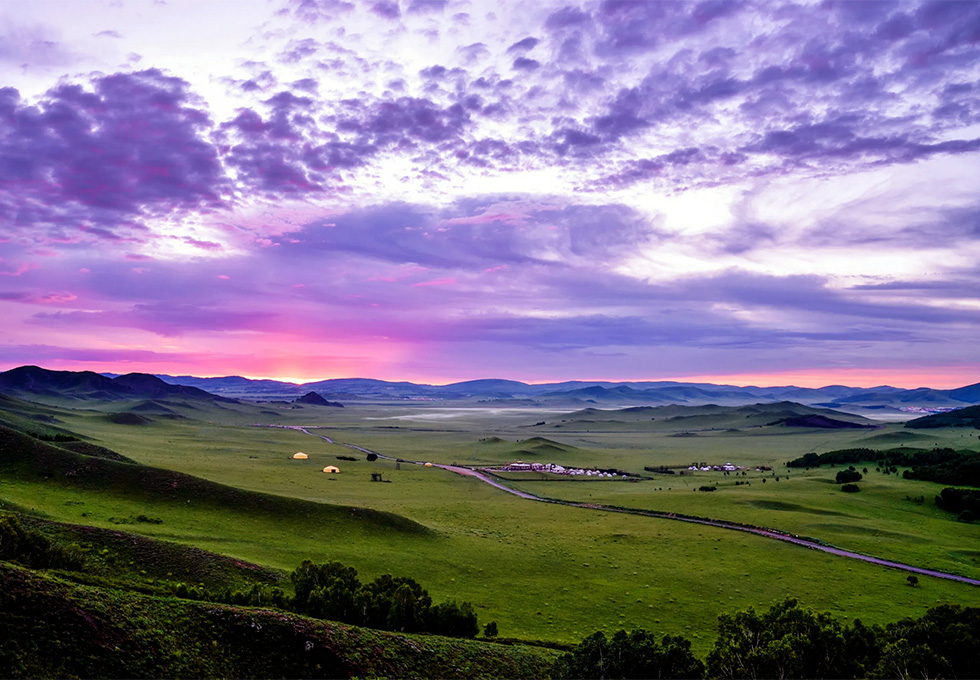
pixel 721 524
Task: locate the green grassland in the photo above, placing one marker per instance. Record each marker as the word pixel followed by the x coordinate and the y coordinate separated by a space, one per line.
pixel 541 571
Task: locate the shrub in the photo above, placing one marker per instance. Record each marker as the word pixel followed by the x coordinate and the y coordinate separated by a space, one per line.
pixel 848 475
pixel 33 549
pixel 850 488
pixel 637 654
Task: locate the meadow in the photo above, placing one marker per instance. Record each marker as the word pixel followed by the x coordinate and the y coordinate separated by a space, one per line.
pixel 541 571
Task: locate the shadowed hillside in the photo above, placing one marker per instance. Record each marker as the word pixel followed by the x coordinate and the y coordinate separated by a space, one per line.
pixel 963 417
pixel 54 628
pixel 24 456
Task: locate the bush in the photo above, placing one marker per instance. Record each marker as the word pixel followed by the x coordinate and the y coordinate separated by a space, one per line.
pixel 33 549
pixel 848 475
pixel 850 488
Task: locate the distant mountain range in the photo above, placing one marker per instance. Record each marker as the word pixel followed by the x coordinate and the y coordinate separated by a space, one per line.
pixel 35 381
pixel 869 401
pixel 571 393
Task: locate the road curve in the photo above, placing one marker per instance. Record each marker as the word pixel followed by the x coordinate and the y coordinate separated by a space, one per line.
pixel 721 524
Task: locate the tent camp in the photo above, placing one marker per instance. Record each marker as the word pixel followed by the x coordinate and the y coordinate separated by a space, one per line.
pixel 299 455
pixel 331 469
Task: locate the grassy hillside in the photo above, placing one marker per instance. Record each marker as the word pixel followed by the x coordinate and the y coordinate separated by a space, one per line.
pixel 24 456
pixel 961 417
pixel 55 628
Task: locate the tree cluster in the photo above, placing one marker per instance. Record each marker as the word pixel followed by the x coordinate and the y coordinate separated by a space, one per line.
pixel 964 502
pixel 789 641
pixel 848 475
pixel 333 591
pixel 637 654
pixel 942 465
pixel 904 456
pixel 963 469
pixel 398 603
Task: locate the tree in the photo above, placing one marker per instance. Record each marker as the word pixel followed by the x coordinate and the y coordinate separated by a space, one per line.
pixel 450 619
pixel 405 615
pixel 913 580
pixel 326 591
pixel 636 654
pixel 945 642
pixel 786 641
pixel 849 475
pixel 490 630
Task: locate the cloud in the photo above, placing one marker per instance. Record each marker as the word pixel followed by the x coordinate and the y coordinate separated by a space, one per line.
pixel 525 64
pixel 426 6
pixel 31 46
pixel 475 233
pixel 131 146
pixel 524 45
pixel 386 8
pixel 167 319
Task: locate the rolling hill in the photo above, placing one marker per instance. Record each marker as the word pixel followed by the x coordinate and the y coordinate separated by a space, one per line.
pixel 86 384
pixel 34 382
pixel 963 417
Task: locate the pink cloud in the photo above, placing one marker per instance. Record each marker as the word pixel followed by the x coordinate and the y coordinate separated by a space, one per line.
pixel 436 282
pixel 22 268
pixel 203 245
pixel 509 218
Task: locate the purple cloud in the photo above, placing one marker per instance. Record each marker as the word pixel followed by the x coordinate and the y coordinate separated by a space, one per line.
pixel 524 45
pixel 132 146
pixel 426 6
pixel 386 8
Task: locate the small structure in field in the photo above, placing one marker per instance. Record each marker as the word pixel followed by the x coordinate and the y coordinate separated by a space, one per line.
pixel 332 469
pixel 428 465
pixel 299 455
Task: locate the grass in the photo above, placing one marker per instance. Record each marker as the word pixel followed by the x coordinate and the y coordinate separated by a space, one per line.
pixel 541 571
pixel 54 628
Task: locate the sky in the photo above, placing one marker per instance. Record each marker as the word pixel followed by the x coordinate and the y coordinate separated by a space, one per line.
pixel 439 190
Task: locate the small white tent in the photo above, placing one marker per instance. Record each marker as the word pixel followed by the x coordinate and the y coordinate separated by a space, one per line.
pixel 299 455
pixel 331 469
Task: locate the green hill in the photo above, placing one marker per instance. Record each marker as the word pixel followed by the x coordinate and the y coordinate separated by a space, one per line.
pixel 23 456
pixel 54 628
pixel 961 417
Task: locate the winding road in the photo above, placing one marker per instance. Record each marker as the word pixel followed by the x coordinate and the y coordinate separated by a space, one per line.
pixel 721 524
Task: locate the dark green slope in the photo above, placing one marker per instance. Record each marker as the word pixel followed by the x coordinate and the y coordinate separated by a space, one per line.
pixel 961 417
pixel 54 628
pixel 26 457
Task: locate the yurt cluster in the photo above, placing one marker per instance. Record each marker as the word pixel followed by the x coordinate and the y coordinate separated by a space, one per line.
pixel 330 469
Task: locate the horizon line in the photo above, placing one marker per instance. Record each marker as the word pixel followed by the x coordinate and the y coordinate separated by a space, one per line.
pixel 801 379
